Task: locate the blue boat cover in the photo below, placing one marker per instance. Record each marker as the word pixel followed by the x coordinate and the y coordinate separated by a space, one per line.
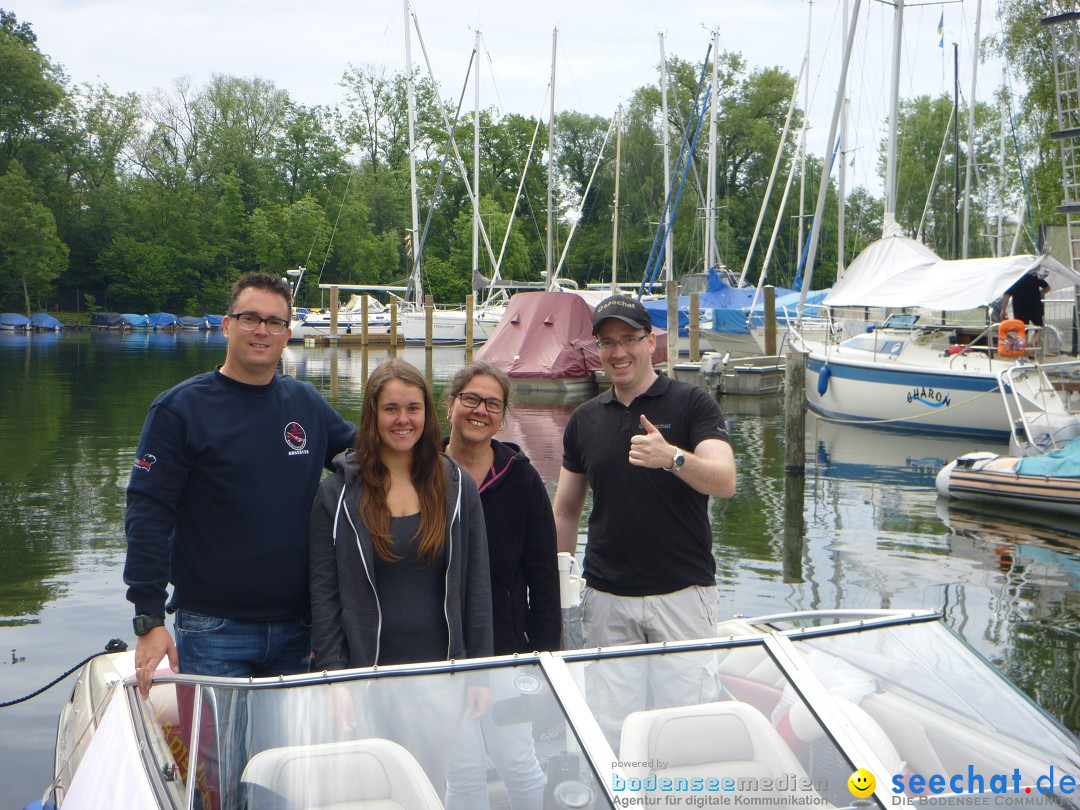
pixel 139 321
pixel 162 319
pixel 214 320
pixel 13 320
pixel 1063 463
pixel 194 322
pixel 729 306
pixel 43 320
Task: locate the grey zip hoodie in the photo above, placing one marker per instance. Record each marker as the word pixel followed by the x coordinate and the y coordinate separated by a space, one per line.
pixel 345 613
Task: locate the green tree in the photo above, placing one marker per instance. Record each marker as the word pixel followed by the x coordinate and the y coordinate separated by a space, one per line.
pixel 31 253
pixel 142 276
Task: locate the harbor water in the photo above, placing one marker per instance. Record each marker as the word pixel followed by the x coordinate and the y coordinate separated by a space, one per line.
pixel 863 528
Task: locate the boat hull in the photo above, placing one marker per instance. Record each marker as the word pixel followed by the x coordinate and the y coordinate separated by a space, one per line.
pixel 988 478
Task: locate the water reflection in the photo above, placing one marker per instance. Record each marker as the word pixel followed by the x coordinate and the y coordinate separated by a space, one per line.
pixel 862 528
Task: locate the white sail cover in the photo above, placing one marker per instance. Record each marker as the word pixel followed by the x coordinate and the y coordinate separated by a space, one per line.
pixel 899 272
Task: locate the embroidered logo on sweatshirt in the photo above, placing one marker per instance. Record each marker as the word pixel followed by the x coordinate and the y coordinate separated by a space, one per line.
pixel 296 438
pixel 144 463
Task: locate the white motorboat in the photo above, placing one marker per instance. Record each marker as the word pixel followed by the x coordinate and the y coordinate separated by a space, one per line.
pixel 775 711
pixel 351 318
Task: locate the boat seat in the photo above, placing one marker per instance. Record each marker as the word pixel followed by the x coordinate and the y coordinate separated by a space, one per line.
pixel 724 740
pixel 371 774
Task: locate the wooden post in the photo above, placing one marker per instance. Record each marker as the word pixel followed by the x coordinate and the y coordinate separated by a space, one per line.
pixel 335 387
pixel 795 413
pixel 770 320
pixel 429 317
pixel 333 313
pixel 470 324
pixel 672 291
pixel 794 536
pixel 393 328
pixel 364 325
pixel 695 327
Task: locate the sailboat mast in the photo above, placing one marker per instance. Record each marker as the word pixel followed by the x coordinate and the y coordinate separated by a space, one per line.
pixel 551 167
pixel 841 176
pixel 802 139
pixel 819 208
pixel 476 165
pixel 410 94
pixel 666 135
pixel 971 130
pixel 710 185
pixel 615 209
pixel 889 226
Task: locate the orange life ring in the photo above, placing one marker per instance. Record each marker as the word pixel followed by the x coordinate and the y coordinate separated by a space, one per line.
pixel 1011 338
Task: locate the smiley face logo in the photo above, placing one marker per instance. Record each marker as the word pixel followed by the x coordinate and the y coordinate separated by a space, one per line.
pixel 861 783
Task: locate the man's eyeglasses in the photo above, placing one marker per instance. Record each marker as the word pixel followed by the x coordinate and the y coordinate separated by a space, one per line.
pixel 628 342
pixel 250 322
pixel 471 400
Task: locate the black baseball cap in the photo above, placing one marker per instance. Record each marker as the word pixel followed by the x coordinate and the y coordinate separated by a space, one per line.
pixel 626 309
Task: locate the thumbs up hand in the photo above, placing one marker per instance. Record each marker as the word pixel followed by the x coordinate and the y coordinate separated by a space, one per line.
pixel 650 449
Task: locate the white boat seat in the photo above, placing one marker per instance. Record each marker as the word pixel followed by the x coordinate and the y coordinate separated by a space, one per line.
pixel 728 739
pixel 371 774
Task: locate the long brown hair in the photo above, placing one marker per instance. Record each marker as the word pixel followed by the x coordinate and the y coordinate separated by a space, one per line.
pixel 428 470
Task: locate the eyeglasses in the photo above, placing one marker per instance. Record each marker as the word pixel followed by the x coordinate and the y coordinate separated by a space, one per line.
pixel 628 342
pixel 250 322
pixel 471 400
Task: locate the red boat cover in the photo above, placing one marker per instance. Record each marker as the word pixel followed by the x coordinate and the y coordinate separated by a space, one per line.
pixel 548 334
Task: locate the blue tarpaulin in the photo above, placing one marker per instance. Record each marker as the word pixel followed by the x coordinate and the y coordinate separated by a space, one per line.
pixel 43 320
pixel 724 307
pixel 1063 463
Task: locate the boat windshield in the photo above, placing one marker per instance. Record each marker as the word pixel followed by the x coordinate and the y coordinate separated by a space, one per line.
pixel 935 707
pixel 766 715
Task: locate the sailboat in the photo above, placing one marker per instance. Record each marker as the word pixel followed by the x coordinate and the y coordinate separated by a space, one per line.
pixel 920 372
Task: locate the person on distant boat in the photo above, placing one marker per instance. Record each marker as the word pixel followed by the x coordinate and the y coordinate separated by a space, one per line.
pixel 524 583
pixel 1026 295
pixel 653 450
pixel 217 504
pixel 399 567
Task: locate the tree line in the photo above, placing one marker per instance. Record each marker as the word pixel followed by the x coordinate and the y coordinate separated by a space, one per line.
pixel 158 202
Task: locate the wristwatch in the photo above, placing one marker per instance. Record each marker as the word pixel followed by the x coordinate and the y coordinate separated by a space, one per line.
pixel 143 624
pixel 677 461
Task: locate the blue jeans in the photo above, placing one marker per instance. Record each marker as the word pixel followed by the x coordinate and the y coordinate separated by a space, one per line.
pixel 209 645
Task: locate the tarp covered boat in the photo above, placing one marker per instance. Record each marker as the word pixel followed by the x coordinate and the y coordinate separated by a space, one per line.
pixel 1049 483
pixel 107 320
pixel 136 321
pixel 14 321
pixel 45 322
pixel 214 320
pixel 163 320
pixel 194 322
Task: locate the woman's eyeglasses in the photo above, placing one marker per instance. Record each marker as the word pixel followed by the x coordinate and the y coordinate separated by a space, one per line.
pixel 471 400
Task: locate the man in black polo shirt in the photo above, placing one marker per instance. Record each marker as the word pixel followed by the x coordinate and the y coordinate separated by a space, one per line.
pixel 653 450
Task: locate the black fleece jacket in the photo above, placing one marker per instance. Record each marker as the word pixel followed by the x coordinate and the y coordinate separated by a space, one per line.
pixel 522 552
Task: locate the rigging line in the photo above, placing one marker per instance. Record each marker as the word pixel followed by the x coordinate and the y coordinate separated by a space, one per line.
pixel 584 196
pixel 1030 234
pixel 115 645
pixel 419 248
pixel 330 241
pixel 668 214
pixel 933 180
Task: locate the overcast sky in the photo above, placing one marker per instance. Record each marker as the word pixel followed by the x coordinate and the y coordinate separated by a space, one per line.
pixel 606 50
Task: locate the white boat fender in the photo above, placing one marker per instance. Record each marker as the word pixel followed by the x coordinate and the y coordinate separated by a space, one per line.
pixel 966 461
pixel 823 380
pixel 570 584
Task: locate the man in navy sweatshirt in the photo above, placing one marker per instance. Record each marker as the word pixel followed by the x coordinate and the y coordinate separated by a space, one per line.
pixel 219 499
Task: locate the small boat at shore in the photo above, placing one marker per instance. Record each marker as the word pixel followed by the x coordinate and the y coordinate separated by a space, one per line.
pixel 774 711
pixel 1049 483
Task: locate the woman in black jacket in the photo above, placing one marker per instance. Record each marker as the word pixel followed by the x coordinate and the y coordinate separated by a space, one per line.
pixel 524 581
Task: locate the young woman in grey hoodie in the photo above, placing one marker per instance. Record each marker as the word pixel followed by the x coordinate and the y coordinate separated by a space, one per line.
pixel 399 565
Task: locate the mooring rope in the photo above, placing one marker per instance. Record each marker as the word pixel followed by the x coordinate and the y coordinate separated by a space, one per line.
pixel 114 645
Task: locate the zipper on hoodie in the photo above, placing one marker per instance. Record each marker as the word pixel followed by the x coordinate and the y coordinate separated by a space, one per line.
pixel 367 573
pixel 446 577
